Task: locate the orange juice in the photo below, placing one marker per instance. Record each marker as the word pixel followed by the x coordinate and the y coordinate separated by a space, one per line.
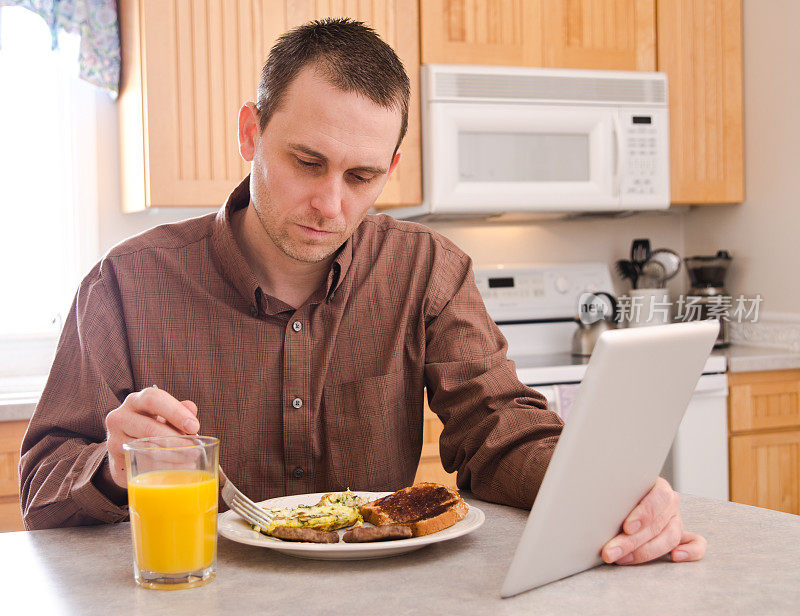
pixel 173 520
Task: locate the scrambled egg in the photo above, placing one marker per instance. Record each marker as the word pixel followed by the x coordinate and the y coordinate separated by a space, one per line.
pixel 333 511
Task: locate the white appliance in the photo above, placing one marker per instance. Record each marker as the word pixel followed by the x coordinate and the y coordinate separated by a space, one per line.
pixel 516 139
pixel 534 306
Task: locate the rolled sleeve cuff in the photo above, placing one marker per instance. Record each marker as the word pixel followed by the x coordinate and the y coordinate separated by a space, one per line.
pixel 91 501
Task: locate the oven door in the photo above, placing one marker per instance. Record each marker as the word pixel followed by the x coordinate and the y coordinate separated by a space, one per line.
pixel 483 157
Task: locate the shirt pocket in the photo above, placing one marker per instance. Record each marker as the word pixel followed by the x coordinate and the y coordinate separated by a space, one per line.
pixel 367 441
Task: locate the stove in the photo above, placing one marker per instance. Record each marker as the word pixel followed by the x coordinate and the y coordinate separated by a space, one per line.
pixel 535 306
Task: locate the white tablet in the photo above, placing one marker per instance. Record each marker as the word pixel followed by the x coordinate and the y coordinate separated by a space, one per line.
pixel 625 416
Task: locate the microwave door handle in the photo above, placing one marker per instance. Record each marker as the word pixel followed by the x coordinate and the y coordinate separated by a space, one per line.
pixel 617 155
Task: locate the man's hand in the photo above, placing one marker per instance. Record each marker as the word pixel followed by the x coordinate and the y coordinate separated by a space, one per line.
pixel 652 529
pixel 150 412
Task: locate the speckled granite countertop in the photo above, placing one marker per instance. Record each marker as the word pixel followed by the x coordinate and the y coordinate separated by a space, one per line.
pixel 743 358
pixel 751 567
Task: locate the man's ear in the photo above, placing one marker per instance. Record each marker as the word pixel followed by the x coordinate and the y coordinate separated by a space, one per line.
pixel 395 160
pixel 248 131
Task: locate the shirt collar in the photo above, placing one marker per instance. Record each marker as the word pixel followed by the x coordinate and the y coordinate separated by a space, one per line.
pixel 235 268
pixel 226 250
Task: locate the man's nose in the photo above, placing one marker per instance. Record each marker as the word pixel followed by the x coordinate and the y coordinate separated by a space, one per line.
pixel 327 198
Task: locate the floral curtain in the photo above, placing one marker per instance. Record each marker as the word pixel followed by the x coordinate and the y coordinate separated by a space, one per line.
pixel 96 22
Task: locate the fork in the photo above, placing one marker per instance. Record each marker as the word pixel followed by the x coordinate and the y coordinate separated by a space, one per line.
pixel 242 505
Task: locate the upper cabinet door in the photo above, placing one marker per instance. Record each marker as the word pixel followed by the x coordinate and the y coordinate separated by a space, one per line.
pixel 599 34
pixel 503 32
pixel 604 34
pixel 188 65
pixel 397 23
pixel 700 49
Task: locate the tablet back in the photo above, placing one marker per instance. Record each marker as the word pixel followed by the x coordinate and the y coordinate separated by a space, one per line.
pixel 630 403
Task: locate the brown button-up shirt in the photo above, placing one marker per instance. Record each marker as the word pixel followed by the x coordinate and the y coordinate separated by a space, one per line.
pixel 325 396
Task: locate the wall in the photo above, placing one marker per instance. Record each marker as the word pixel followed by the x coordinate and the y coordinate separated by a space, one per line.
pixel 762 233
pixel 568 241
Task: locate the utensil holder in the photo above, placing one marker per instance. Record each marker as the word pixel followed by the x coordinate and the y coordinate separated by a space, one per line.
pixel 649 307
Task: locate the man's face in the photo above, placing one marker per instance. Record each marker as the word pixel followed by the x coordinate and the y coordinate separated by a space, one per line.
pixel 319 165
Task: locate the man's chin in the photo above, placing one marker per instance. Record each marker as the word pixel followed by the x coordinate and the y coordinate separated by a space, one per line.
pixel 314 254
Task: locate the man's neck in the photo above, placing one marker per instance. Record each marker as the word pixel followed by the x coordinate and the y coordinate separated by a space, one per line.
pixel 279 275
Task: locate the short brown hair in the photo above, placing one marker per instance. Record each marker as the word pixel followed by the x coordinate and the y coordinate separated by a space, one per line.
pixel 348 53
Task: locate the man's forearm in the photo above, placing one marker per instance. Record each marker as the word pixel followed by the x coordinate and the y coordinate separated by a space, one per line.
pixel 58 488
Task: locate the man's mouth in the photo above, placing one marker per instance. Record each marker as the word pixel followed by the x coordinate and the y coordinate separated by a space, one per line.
pixel 314 232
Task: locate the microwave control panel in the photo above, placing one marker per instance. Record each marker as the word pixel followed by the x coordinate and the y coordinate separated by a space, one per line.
pixel 646 146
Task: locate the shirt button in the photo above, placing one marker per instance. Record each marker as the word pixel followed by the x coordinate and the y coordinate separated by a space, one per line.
pixel 297 403
pixel 297 326
pixel 253 311
pixel 298 472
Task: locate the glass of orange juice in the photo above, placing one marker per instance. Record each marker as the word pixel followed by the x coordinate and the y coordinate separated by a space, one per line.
pixel 172 499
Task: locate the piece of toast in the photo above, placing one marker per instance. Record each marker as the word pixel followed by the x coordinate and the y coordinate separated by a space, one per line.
pixel 425 508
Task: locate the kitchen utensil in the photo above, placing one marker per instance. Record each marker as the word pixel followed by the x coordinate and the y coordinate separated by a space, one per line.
pixel 640 252
pixel 626 269
pixel 653 275
pixel 669 259
pixel 597 314
pixel 242 505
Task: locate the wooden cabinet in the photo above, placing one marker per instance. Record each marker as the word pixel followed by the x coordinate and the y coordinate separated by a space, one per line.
pixel 764 423
pixel 605 34
pixel 11 433
pixel 700 49
pixel 499 32
pixel 602 34
pixel 188 65
pixel 430 463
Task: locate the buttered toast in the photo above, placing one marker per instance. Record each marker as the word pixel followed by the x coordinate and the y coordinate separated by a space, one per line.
pixel 425 508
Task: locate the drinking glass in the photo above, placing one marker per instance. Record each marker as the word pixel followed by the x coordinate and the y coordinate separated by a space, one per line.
pixel 172 498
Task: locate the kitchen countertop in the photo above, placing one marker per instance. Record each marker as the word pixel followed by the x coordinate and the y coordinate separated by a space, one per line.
pixel 751 567
pixel 547 368
pixel 745 358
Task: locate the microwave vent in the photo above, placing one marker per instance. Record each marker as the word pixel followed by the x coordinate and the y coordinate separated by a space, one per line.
pixel 548 88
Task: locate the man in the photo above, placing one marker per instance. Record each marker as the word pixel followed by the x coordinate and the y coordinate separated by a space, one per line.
pixel 298 330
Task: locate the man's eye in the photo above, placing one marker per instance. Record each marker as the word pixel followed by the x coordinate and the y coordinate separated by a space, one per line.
pixel 359 178
pixel 306 163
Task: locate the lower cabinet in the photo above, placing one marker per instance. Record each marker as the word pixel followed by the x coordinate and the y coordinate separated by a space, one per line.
pixel 11 433
pixel 430 464
pixel 764 424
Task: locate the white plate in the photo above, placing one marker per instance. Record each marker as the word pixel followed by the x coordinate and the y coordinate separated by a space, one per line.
pixel 236 529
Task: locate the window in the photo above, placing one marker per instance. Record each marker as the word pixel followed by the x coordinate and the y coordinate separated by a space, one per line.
pixel 48 162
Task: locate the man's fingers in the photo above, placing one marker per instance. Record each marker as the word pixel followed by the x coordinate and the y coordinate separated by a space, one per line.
pixel 691 547
pixel 653 513
pixel 190 405
pixel 659 504
pixel 157 402
pixel 667 540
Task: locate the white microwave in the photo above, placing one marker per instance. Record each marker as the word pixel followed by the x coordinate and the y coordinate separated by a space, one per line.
pixel 516 139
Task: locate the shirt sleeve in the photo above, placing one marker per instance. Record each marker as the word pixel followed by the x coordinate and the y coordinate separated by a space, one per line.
pixel 64 447
pixel 498 434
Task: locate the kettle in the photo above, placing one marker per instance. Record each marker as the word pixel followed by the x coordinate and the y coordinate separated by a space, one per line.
pixel 597 313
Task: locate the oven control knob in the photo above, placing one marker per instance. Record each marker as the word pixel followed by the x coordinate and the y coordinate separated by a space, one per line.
pixel 562 284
